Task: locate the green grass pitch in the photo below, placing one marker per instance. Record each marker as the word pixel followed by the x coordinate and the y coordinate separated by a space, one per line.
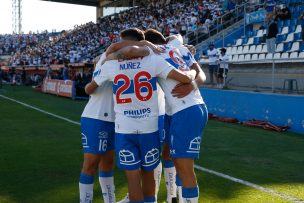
pixel 41 157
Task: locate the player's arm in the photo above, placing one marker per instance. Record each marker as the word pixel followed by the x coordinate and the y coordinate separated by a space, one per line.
pixel 191 48
pixel 90 87
pixel 129 52
pixel 200 77
pixel 100 75
pixel 181 90
pixel 165 70
pixel 182 76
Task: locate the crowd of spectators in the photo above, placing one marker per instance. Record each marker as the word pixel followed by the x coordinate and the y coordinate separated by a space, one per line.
pixel 10 44
pixel 84 42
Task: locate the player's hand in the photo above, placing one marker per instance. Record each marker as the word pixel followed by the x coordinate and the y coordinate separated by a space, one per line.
pixel 191 48
pixel 156 49
pixel 181 90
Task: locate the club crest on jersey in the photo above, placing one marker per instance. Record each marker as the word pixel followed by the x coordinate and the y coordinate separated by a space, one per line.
pixel 129 65
pixel 187 58
pixel 177 61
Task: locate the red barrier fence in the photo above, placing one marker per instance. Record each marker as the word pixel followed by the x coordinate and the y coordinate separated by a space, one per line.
pixel 59 87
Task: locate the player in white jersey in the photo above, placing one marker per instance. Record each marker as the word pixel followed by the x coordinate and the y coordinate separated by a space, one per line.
pixel 169 169
pixel 135 105
pixel 97 129
pixel 186 115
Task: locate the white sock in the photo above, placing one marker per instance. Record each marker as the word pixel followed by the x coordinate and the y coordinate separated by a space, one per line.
pixel 190 195
pixel 86 193
pixel 157 177
pixel 86 184
pixel 106 181
pixel 170 176
pixel 190 200
pixel 180 195
pixel 179 189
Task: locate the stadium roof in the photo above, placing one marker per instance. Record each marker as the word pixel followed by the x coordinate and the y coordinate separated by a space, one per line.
pixel 80 2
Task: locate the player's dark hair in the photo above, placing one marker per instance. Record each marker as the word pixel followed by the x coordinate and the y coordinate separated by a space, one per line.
pixel 155 37
pixel 134 34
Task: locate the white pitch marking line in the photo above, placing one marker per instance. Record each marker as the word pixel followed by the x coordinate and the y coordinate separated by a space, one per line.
pixel 40 110
pixel 267 190
pixel 249 184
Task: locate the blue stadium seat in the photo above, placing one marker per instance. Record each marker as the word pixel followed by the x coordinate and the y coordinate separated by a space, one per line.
pixel 249 34
pixel 287 46
pixel 281 38
pixel 293 22
pixel 302 46
pixel 297 36
pixel 292 29
pixel 296 12
pixel 286 23
pixel 257 40
pixel 293 2
pixel 281 24
pixel 245 40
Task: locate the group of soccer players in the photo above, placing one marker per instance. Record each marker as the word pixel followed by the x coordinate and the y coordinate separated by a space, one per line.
pixel 143 104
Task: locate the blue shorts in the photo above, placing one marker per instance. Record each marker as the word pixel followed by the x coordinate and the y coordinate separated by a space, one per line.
pixel 161 120
pixel 98 136
pixel 134 151
pixel 186 131
pixel 167 125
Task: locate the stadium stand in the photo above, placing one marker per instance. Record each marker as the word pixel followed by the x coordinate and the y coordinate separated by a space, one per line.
pixel 252 48
pixel 10 44
pixel 84 42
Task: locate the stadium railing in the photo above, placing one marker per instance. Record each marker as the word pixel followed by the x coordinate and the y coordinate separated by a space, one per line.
pixel 223 22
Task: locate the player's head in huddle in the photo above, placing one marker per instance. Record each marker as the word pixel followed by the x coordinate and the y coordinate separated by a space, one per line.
pixel 133 34
pixel 155 37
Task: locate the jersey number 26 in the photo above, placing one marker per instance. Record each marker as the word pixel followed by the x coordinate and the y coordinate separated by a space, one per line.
pixel 137 87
